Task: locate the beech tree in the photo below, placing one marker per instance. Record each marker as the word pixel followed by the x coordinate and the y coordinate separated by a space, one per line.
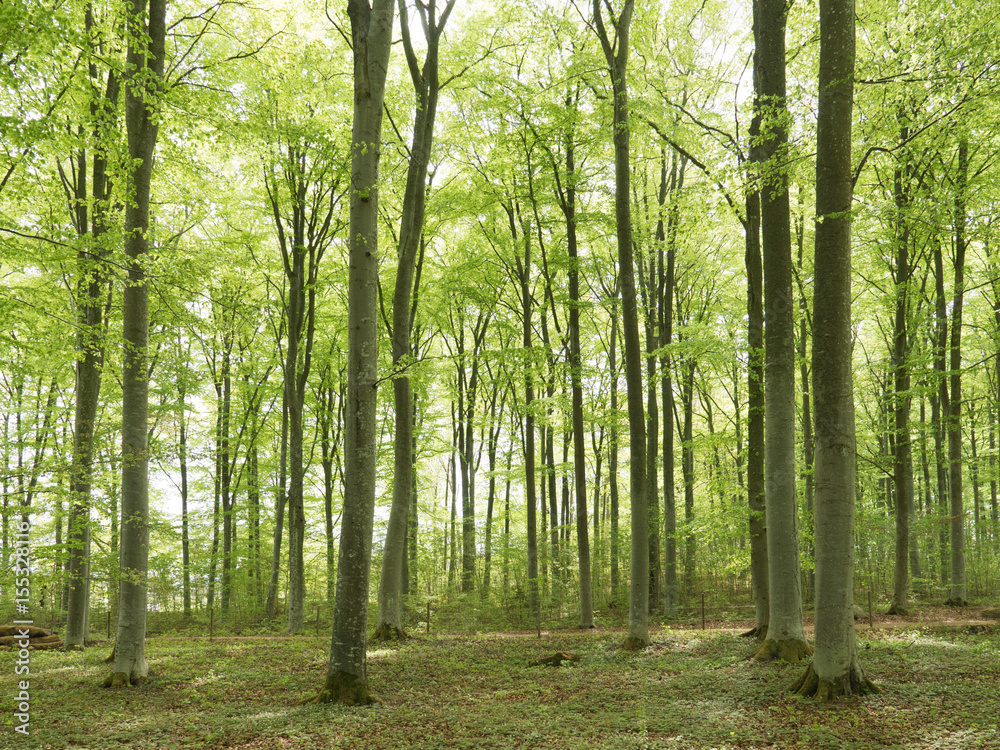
pixel 90 213
pixel 347 673
pixel 145 32
pixel 616 52
pixel 835 669
pixel 785 635
pixel 426 87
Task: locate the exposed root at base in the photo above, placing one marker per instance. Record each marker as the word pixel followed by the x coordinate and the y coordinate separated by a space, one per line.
pixel 793 651
pixel 345 689
pixel 635 644
pixel 758 633
pixel 897 609
pixel 956 602
pixel 386 633
pixel 122 679
pixel 810 685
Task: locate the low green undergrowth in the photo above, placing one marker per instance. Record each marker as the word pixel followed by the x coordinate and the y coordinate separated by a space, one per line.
pixel 691 689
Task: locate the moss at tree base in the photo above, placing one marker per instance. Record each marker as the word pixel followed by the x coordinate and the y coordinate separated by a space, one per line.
pixel 635 644
pixel 345 689
pixel 122 679
pixel 790 650
pixel 386 633
pixel 810 685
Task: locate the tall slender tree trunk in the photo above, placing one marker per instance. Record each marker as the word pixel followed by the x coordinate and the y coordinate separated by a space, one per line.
pixel 615 541
pixel 958 596
pixel 92 226
pixel 902 454
pixel 271 605
pixel 755 392
pixel 146 52
pixel 785 635
pixel 425 87
pixel 835 669
pixel 576 377
pixel 531 500
pixel 182 450
pixel 616 57
pixel 347 674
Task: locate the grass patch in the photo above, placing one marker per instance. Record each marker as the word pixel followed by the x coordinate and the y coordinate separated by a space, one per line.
pixel 691 689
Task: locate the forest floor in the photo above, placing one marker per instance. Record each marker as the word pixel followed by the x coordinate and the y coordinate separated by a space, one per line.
pixel 939 673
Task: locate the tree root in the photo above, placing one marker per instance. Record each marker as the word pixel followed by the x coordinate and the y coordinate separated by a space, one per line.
pixel 122 679
pixel 854 682
pixel 632 643
pixel 956 602
pixel 758 632
pixel 343 688
pixel 790 650
pixel 897 609
pixel 386 633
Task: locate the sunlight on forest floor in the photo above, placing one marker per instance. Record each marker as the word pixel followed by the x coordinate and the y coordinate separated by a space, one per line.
pixel 692 689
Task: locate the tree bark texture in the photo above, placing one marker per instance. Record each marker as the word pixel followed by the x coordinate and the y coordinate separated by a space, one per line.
pixel 347 676
pixel 146 34
pixel 616 56
pixel 425 87
pixel 835 669
pixel 785 635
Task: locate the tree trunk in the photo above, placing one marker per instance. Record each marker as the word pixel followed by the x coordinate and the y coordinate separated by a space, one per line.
pixel 785 636
pixel 347 675
pixel 616 57
pixel 835 669
pixel 958 596
pixel 271 605
pixel 90 344
pixel 185 519
pixel 146 53
pixel 613 449
pixel 425 87
pixel 755 403
pixel 576 377
pixel 902 455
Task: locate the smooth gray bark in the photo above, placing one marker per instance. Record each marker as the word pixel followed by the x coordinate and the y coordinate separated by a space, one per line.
pixel 958 596
pixel 426 86
pixel 142 83
pixel 785 636
pixel 91 283
pixel 835 669
pixel 347 674
pixel 616 53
